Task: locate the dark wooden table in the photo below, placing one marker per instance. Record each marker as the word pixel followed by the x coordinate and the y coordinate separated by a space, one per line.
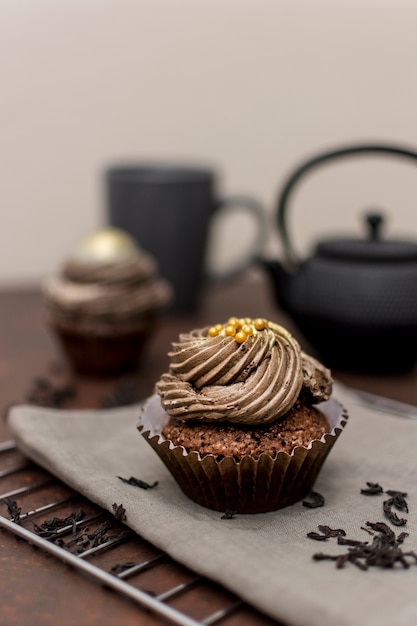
pixel 37 589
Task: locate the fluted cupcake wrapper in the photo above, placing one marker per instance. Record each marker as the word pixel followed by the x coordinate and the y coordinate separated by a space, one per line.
pixel 248 485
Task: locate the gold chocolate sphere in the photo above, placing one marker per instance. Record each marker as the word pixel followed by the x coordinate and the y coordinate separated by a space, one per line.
pixel 106 245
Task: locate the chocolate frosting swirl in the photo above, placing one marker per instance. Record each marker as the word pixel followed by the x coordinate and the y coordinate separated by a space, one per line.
pixel 254 382
pixel 129 271
pixel 117 290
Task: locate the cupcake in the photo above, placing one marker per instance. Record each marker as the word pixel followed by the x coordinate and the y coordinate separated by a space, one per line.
pixel 103 304
pixel 243 419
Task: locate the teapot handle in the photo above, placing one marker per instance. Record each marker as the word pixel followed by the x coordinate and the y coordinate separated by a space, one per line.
pixel 289 252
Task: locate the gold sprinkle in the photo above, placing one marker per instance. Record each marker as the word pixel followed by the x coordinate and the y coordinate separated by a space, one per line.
pixel 239 328
pixel 248 329
pixel 260 323
pixel 240 336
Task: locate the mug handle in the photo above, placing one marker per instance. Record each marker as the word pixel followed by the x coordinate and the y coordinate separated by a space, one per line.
pixel 239 203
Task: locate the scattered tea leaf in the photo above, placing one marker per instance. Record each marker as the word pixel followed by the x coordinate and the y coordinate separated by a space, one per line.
pixel 384 551
pixel 46 393
pixel 325 533
pixel 315 500
pixel 136 482
pixel 396 500
pixel 317 536
pixel 391 515
pixel 50 527
pixel 119 512
pixel 372 489
pixel 331 532
pixel 13 510
pixel 393 493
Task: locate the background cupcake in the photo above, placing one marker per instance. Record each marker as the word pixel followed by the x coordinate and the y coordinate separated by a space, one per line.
pixel 235 418
pixel 104 302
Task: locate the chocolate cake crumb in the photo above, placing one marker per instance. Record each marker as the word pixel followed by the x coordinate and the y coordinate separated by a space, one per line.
pixel 299 427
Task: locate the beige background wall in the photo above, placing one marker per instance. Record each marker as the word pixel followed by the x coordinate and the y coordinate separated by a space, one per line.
pixel 250 86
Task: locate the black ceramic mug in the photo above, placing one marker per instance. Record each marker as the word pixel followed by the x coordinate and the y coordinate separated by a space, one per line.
pixel 168 210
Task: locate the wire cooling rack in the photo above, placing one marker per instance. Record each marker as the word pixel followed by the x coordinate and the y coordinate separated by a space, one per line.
pixel 124 562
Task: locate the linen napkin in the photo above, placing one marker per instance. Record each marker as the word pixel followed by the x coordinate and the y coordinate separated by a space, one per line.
pixel 266 558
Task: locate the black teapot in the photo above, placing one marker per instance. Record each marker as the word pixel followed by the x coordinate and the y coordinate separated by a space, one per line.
pixel 354 300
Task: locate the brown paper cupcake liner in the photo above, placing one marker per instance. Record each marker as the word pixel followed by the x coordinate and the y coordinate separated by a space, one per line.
pixel 248 485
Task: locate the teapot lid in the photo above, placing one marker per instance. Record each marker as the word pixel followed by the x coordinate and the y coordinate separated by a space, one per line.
pixel 371 249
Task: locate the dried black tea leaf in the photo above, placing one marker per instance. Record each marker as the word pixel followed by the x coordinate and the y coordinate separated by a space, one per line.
pixel 383 529
pixel 320 556
pixel 397 500
pixel 119 512
pixel 341 560
pixel 372 489
pixel 391 515
pixel 50 528
pixel 136 482
pixel 342 541
pixel 13 510
pixel 325 533
pixel 315 501
pixel 46 393
pixel 384 551
pixel 393 493
pixel 87 541
pixel 332 532
pixel 317 536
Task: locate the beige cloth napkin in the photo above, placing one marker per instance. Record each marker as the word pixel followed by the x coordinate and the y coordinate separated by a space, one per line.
pixel 267 558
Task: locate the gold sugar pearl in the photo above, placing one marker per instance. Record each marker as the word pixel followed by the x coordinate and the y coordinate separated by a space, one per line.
pixel 248 329
pixel 260 323
pixel 238 328
pixel 241 336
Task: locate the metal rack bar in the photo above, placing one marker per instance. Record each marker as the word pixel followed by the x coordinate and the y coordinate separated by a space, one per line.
pixel 116 581
pixel 65 530
pixel 108 544
pixel 47 507
pixel 14 470
pixel 5 446
pixel 219 615
pixel 140 567
pixel 171 593
pixel 142 598
pixel 24 490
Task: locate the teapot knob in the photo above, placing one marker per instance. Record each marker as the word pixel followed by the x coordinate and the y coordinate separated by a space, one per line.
pixel 375 221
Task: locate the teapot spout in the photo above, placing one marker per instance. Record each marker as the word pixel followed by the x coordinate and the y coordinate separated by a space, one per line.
pixel 280 279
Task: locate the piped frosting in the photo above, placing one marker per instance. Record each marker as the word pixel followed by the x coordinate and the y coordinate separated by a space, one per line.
pixel 255 379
